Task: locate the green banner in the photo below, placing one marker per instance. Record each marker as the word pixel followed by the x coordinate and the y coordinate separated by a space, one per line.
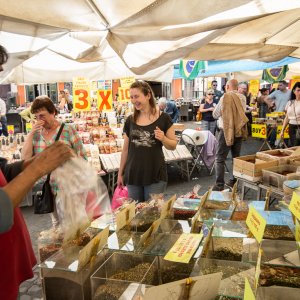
pixel 189 69
pixel 275 74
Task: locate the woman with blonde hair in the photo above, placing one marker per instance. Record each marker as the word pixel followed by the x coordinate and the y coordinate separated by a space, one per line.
pixel 143 166
pixel 206 108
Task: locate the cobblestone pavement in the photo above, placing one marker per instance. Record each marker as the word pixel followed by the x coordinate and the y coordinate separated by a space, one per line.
pixel 32 290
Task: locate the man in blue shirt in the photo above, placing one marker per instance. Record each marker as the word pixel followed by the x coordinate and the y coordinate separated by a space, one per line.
pixel 170 108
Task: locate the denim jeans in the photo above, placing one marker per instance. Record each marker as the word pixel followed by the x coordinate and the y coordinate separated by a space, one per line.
pixel 142 193
pixel 211 126
pixel 3 121
pixel 221 155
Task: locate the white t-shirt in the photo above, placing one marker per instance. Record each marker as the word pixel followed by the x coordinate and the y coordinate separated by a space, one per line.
pixel 280 98
pixel 293 112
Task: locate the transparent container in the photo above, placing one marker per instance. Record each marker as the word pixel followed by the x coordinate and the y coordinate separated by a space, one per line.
pixel 229 228
pixel 275 176
pixel 61 278
pixel 174 226
pixel 207 214
pixel 277 293
pixel 114 276
pixel 233 275
pixel 218 200
pixel 185 208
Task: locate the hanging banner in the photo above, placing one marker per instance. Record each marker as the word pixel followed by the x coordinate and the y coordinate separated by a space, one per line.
pixel 81 94
pixel 124 94
pixel 275 74
pixel 10 129
pixel 189 69
pixel 104 100
pixel 293 81
pixel 254 87
pixel 126 82
pixel 259 130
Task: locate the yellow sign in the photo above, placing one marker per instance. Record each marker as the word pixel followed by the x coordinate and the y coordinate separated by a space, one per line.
pixel 126 82
pixel 256 223
pixel 259 130
pixel 285 133
pixel 297 231
pixel 81 94
pixel 11 129
pixel 184 248
pixel 152 230
pixel 248 293
pixel 254 87
pixel 257 268
pixel 28 127
pixel 125 216
pixel 124 94
pixel 294 206
pixel 104 100
pixel 294 79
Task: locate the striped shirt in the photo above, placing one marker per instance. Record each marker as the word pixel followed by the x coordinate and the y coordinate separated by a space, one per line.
pixel 69 136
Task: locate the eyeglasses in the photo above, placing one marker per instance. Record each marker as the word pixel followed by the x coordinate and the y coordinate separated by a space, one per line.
pixel 214 85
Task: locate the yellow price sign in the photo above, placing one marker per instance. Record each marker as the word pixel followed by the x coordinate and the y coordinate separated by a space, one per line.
pixel 124 94
pixel 11 129
pixel 248 293
pixel 285 133
pixel 259 130
pixel 28 127
pixel 256 223
pixel 294 206
pixel 104 100
pixel 184 248
pixel 126 82
pixel 81 94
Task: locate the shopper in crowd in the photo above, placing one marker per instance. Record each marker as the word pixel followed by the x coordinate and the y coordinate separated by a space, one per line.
pixel 217 94
pixel 69 97
pixel 262 105
pixel 26 113
pixel 16 253
pixel 3 119
pixel 292 117
pixel 62 101
pixel 43 134
pixel 207 107
pixel 232 122
pixel 276 102
pixel 169 107
pixel 143 167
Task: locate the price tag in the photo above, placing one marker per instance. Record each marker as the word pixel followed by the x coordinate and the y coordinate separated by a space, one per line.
pixel 11 129
pixel 167 207
pixel 285 133
pixel 259 130
pixel 256 223
pixel 125 216
pixel 248 293
pixel 104 100
pixel 92 248
pixel 124 94
pixel 28 127
pixel 184 248
pixel 81 94
pixel 152 230
pixel 294 206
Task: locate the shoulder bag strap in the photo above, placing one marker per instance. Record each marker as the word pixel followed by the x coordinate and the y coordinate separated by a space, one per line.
pixel 56 139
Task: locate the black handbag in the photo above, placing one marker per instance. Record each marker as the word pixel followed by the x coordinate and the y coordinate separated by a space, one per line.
pixel 44 200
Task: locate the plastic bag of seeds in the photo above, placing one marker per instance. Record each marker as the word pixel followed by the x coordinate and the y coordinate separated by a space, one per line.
pixel 81 197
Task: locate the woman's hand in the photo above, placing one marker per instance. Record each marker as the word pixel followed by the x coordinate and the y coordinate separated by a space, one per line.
pixel 120 181
pixel 159 134
pixel 37 126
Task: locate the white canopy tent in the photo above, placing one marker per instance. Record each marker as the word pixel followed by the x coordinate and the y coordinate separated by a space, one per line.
pixel 113 39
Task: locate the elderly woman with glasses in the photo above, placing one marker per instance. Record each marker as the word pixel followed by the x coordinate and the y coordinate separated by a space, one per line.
pixel 206 108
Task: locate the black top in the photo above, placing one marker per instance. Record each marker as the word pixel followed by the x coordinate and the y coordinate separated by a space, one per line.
pixel 207 116
pixel 145 162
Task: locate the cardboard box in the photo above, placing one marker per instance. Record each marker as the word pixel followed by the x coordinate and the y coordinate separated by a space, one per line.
pixel 282 155
pixel 250 167
pixel 179 126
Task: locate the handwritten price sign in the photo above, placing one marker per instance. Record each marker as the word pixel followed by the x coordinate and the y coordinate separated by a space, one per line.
pixel 294 206
pixel 256 223
pixel 285 133
pixel 104 100
pixel 259 130
pixel 124 94
pixel 81 94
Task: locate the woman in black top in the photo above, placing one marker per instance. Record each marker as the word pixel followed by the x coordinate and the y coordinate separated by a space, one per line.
pixel 142 165
pixel 206 108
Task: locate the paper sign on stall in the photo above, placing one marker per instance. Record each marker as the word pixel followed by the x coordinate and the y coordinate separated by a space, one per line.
pixel 125 216
pixel 124 94
pixel 256 223
pixel 167 207
pixel 294 206
pixel 92 248
pixel 248 293
pixel 259 130
pixel 104 100
pixel 152 230
pixel 28 127
pixel 126 82
pixel 81 94
pixel 285 133
pixel 184 248
pixel 204 287
pixel 11 129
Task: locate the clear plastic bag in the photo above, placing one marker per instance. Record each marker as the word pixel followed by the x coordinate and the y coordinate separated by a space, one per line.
pixel 81 197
